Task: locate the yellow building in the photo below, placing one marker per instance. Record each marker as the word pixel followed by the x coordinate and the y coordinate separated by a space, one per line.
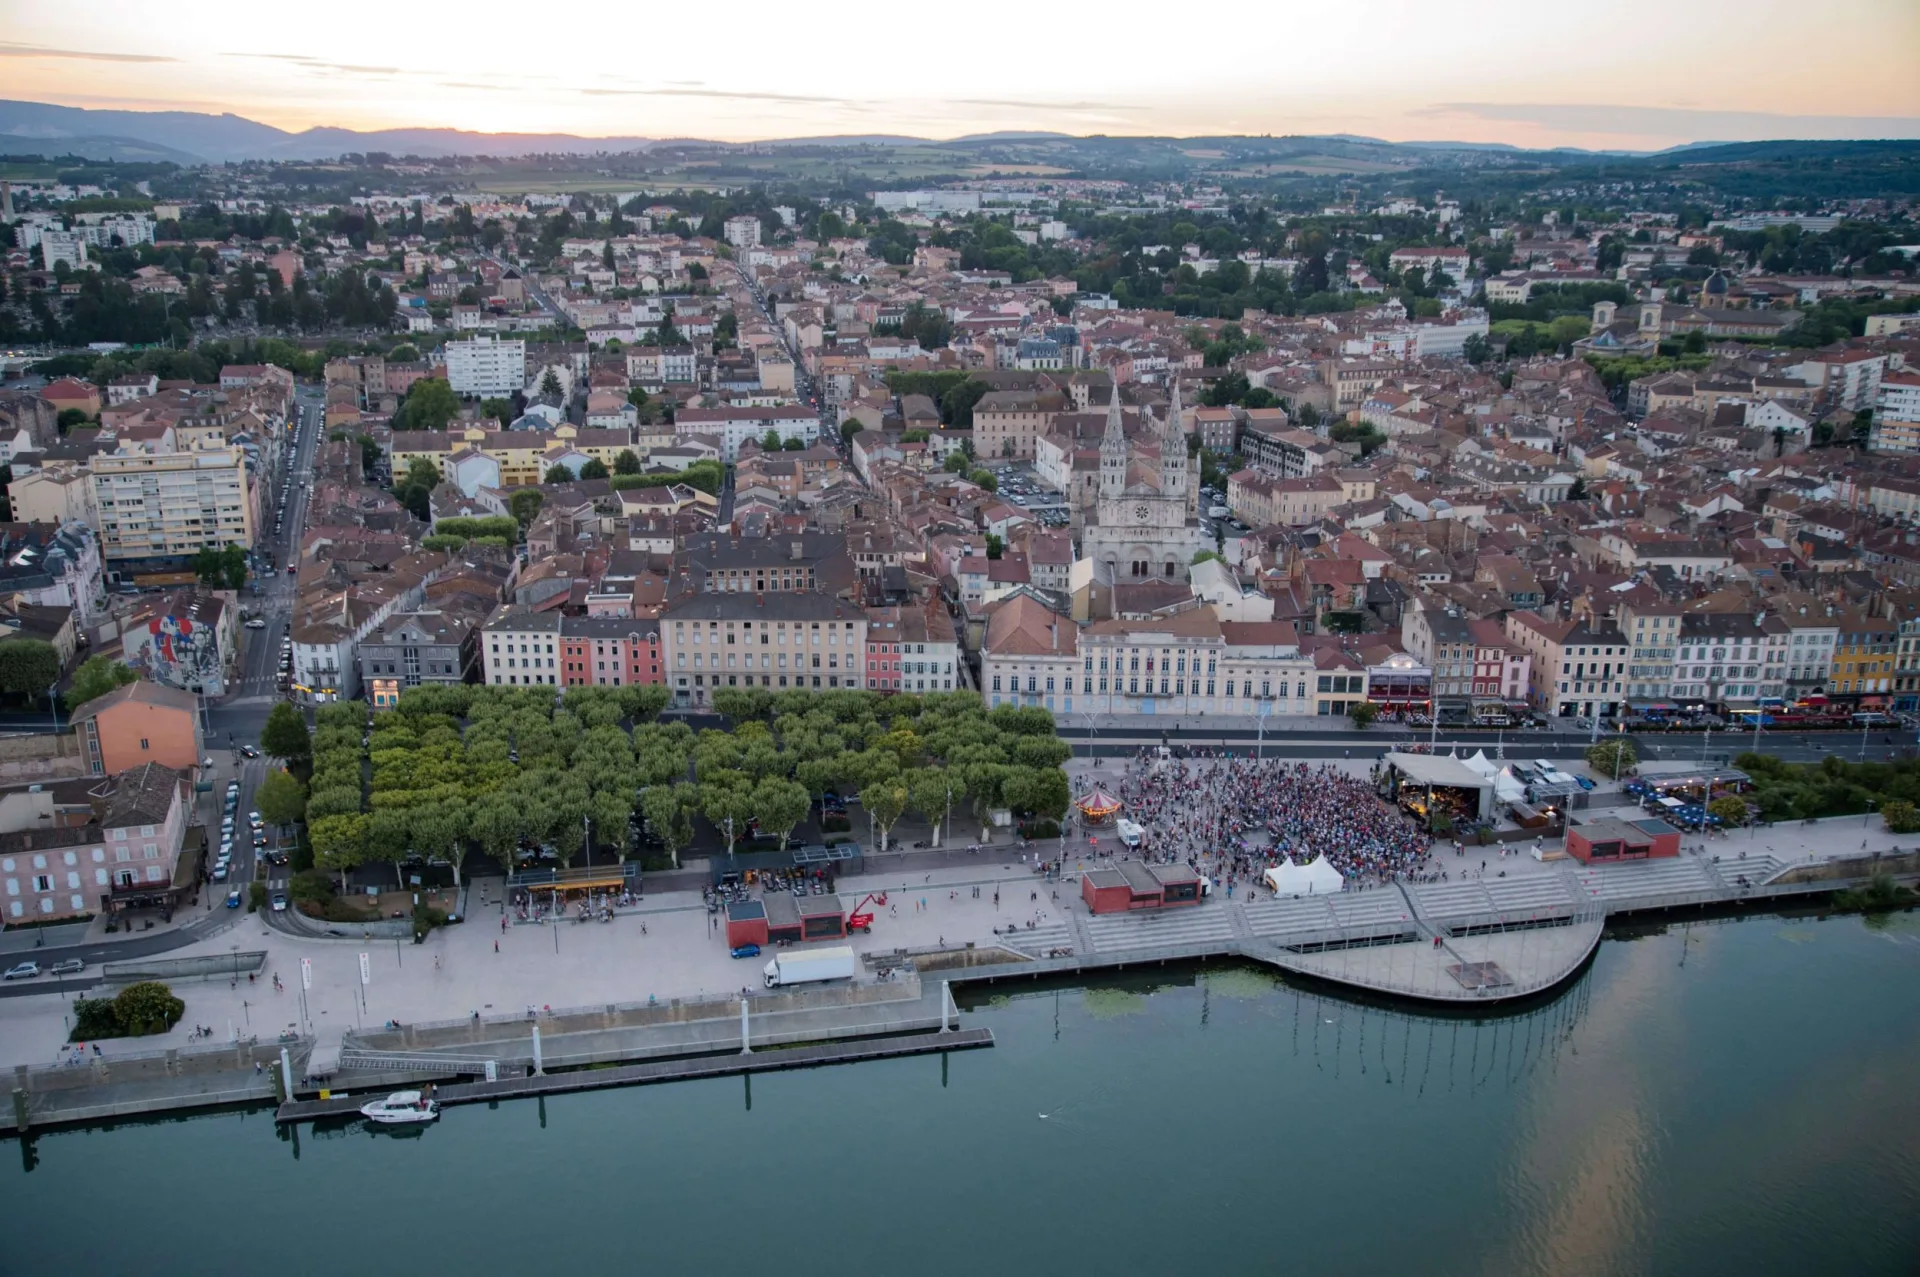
pixel 1863 659
pixel 520 454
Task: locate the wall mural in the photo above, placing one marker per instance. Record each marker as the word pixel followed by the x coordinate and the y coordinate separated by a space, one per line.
pixel 181 652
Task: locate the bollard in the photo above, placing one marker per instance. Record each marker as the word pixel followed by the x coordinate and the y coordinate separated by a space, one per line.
pixel 21 1119
pixel 539 1066
pixel 745 1047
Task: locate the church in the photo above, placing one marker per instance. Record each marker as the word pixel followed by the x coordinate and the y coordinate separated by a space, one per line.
pixel 1146 522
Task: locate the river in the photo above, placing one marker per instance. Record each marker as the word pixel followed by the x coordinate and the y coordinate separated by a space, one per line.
pixel 1732 1096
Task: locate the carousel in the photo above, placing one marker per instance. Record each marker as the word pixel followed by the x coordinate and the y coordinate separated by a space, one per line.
pixel 1098 807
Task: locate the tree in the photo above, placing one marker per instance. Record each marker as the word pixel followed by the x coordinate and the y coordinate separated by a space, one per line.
pixel 995 547
pixel 225 567
pixel 885 800
pixel 430 405
pixel 665 809
pixel 728 804
pixel 931 791
pixel 559 474
pixel 707 475
pixel 627 462
pixel 594 469
pixel 770 441
pixel 285 736
pixel 1203 556
pixel 780 804
pixel 1613 757
pixel 389 837
pixel 281 798
pixel 147 1007
pixel 339 843
pixel 97 676
pixel 501 410
pixel 524 504
pixel 849 428
pixel 1476 350
pixel 550 384
pixel 1731 811
pixel 984 479
pixel 28 666
pixel 69 418
pixel 1363 713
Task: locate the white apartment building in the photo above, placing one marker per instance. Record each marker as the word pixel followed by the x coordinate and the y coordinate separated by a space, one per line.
pixel 1809 653
pixel 520 649
pixel 743 232
pixel 483 367
pixel 63 246
pixel 171 503
pixel 1896 418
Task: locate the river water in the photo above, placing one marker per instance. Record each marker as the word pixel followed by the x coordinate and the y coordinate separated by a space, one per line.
pixel 1739 1096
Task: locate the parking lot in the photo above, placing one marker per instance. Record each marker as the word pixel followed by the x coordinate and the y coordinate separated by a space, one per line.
pixel 1021 486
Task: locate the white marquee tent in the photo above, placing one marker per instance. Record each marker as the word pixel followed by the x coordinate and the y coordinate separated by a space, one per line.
pixel 1316 878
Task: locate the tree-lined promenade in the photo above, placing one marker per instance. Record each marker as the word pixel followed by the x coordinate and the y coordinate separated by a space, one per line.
pixel 454 770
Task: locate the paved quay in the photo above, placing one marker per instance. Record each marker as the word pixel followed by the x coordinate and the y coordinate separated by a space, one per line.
pixel 1505 926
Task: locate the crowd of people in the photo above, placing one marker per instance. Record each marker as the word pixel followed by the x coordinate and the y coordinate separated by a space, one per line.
pixel 1234 818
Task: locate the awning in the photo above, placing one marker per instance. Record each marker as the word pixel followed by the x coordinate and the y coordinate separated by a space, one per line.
pixel 1099 804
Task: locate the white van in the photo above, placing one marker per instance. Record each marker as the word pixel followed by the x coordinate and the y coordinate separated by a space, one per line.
pixel 1218 512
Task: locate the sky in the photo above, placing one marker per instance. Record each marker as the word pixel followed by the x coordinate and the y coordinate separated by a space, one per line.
pixel 1629 74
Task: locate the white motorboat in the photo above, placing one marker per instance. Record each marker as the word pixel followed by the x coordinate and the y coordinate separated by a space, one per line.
pixel 401 1107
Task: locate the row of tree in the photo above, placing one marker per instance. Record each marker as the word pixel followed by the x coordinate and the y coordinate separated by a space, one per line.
pixel 509 770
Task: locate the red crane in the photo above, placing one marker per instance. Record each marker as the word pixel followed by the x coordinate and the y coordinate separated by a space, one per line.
pixel 857 921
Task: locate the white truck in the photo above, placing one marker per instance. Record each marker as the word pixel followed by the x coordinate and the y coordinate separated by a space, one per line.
pixel 804 966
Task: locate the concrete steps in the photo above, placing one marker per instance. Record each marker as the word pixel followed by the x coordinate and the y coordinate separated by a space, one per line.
pixel 1151 928
pixel 1682 878
pixel 1043 938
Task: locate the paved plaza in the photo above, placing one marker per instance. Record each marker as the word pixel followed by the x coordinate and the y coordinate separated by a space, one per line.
pixel 671 947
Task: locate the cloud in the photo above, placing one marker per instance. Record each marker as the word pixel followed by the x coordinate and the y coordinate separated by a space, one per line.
pixel 319 64
pixel 1683 124
pixel 1041 106
pixel 718 93
pixel 10 49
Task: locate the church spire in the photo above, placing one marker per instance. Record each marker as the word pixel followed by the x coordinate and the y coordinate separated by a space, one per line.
pixel 1175 427
pixel 1113 450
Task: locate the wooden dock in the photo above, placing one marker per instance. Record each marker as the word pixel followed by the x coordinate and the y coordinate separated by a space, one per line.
pixel 766 1061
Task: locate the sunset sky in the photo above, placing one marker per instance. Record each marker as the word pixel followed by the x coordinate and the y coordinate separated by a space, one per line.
pixel 1627 74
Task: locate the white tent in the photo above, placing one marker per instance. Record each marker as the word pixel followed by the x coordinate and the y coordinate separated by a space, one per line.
pixel 1507 787
pixel 1314 878
pixel 1481 763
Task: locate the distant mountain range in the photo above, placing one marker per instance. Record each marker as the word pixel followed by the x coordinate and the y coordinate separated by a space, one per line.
pixel 192 137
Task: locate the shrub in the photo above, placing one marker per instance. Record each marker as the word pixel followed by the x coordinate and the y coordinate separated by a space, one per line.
pixel 1901 817
pixel 833 823
pixel 94 1018
pixel 425 919
pixel 1041 828
pixel 256 897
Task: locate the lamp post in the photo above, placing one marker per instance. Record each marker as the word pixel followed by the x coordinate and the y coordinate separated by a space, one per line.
pixel 53 703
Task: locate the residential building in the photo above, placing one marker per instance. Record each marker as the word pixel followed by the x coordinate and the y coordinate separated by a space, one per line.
pixel 171 504
pixel 1029 656
pixel 126 852
pixel 137 724
pixel 612 651
pixel 1581 669
pixel 770 640
pixel 414 649
pixel 484 366
pixel 520 648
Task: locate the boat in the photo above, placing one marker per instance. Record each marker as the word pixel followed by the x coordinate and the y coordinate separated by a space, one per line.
pixel 401 1107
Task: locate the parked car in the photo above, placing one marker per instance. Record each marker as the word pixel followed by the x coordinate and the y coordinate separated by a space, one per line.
pixel 220 873
pixel 72 966
pixel 742 951
pixel 23 971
